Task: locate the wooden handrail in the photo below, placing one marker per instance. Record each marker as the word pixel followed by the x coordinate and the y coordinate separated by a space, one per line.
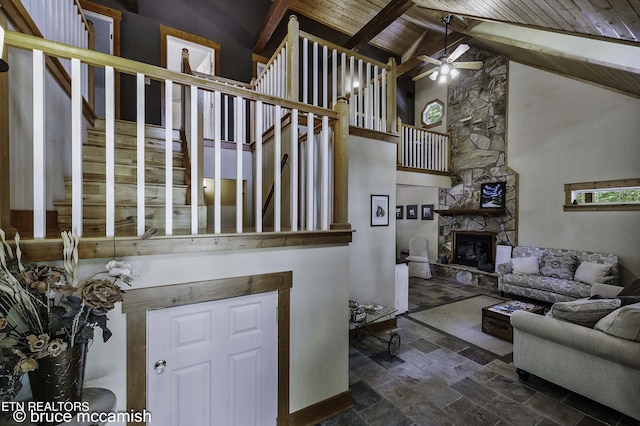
pixel 283 162
pixel 28 42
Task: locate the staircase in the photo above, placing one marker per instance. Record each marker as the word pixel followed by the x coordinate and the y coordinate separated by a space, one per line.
pixel 94 183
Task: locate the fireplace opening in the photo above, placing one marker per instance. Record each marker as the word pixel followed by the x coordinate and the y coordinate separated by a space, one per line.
pixel 471 248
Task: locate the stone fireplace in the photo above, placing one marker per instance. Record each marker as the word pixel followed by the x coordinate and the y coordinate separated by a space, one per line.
pixel 471 247
pixel 476 124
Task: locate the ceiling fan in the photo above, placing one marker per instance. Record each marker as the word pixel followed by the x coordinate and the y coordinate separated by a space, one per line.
pixel 447 68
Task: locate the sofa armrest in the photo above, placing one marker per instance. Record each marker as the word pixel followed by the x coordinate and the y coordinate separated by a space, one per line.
pixel 581 338
pixel 605 290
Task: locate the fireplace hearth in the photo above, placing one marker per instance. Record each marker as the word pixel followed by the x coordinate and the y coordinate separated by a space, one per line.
pixel 473 247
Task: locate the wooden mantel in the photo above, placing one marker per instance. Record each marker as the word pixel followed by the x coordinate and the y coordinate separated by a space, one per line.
pixel 493 211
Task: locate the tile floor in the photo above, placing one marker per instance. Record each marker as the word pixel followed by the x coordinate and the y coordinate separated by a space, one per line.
pixel 437 379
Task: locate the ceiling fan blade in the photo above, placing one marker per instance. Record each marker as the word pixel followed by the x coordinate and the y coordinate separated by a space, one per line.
pixel 424 74
pixel 458 52
pixel 475 65
pixel 429 59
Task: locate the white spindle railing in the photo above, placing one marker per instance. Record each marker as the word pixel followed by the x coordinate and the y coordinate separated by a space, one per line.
pixel 62 21
pixel 363 81
pixel 311 191
pixel 423 149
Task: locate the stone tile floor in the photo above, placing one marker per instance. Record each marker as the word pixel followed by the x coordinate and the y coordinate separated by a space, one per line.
pixel 437 379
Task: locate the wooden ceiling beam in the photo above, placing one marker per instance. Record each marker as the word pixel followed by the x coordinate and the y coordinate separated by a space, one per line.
pixel 274 16
pixel 431 49
pixel 392 11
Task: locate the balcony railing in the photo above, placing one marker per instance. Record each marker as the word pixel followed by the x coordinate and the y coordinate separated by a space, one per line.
pixel 315 166
pixel 421 149
pixel 317 72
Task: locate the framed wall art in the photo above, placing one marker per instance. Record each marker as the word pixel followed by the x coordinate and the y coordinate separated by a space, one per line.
pixel 399 212
pixel 492 195
pixel 379 210
pixel 412 211
pixel 427 211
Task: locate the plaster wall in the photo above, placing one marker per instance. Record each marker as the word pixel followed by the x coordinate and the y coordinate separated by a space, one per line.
pixel 372 170
pixel 564 131
pixel 319 338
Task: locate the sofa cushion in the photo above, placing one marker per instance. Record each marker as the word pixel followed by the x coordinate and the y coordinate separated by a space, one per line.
pixel 561 266
pixel 623 323
pixel 574 289
pixel 632 289
pixel 525 265
pixel 585 312
pixel 591 272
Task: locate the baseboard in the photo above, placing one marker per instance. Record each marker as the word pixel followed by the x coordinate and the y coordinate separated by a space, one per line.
pixel 323 410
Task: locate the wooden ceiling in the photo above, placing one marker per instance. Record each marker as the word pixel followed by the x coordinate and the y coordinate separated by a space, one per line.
pixel 415 28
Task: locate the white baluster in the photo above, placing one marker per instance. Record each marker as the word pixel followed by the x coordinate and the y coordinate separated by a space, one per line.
pixel 140 161
pixel 334 75
pixel 293 169
pixel 376 99
pixel 76 147
pixel 217 166
pixel 109 96
pixel 310 173
pixel 305 71
pixel 195 160
pixel 325 222
pixel 315 73
pixel 277 150
pixel 384 100
pixel 168 157
pixel 325 77
pixel 359 104
pixel 258 162
pixel 239 127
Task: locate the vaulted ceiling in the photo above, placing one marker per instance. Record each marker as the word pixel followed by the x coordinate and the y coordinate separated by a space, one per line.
pixel 531 32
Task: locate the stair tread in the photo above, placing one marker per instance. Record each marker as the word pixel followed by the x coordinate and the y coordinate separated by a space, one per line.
pixel 146 184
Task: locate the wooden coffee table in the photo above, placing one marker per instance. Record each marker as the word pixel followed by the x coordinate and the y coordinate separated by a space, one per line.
pixel 496 319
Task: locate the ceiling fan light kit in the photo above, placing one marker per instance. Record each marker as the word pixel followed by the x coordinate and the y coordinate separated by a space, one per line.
pixel 447 69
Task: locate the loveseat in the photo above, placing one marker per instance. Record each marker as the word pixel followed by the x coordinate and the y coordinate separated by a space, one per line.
pixel 592 362
pixel 555 275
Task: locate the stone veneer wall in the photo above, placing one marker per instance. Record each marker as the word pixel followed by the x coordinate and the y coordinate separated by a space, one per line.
pixel 476 110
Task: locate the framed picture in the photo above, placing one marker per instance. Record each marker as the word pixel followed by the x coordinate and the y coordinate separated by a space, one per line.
pixel 399 212
pixel 412 211
pixel 492 195
pixel 379 210
pixel 427 211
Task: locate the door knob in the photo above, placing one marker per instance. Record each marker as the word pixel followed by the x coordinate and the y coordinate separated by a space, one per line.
pixel 160 366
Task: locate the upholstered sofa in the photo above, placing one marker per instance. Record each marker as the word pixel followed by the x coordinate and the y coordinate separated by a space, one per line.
pixel 555 275
pixel 587 361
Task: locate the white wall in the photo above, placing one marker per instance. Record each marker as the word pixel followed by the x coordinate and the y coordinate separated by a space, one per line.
pixel 319 313
pixel 564 131
pixel 372 170
pixel 407 228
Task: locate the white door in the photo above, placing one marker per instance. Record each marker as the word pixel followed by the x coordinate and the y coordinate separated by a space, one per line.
pixel 220 362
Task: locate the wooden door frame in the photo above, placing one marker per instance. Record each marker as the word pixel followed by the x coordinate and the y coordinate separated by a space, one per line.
pixel 138 302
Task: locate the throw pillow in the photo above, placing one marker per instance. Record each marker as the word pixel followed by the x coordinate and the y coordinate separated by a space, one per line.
pixel 585 312
pixel 632 289
pixel 525 265
pixel 623 323
pixel 558 266
pixel 591 272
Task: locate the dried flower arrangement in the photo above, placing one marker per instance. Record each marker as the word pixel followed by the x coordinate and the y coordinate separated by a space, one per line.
pixel 44 310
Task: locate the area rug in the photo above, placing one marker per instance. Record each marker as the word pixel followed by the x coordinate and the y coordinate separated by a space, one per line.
pixel 463 320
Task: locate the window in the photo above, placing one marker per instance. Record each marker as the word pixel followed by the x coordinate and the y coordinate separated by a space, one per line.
pixel 604 195
pixel 432 113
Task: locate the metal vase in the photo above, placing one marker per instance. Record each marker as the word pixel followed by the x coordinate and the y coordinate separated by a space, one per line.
pixel 59 379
